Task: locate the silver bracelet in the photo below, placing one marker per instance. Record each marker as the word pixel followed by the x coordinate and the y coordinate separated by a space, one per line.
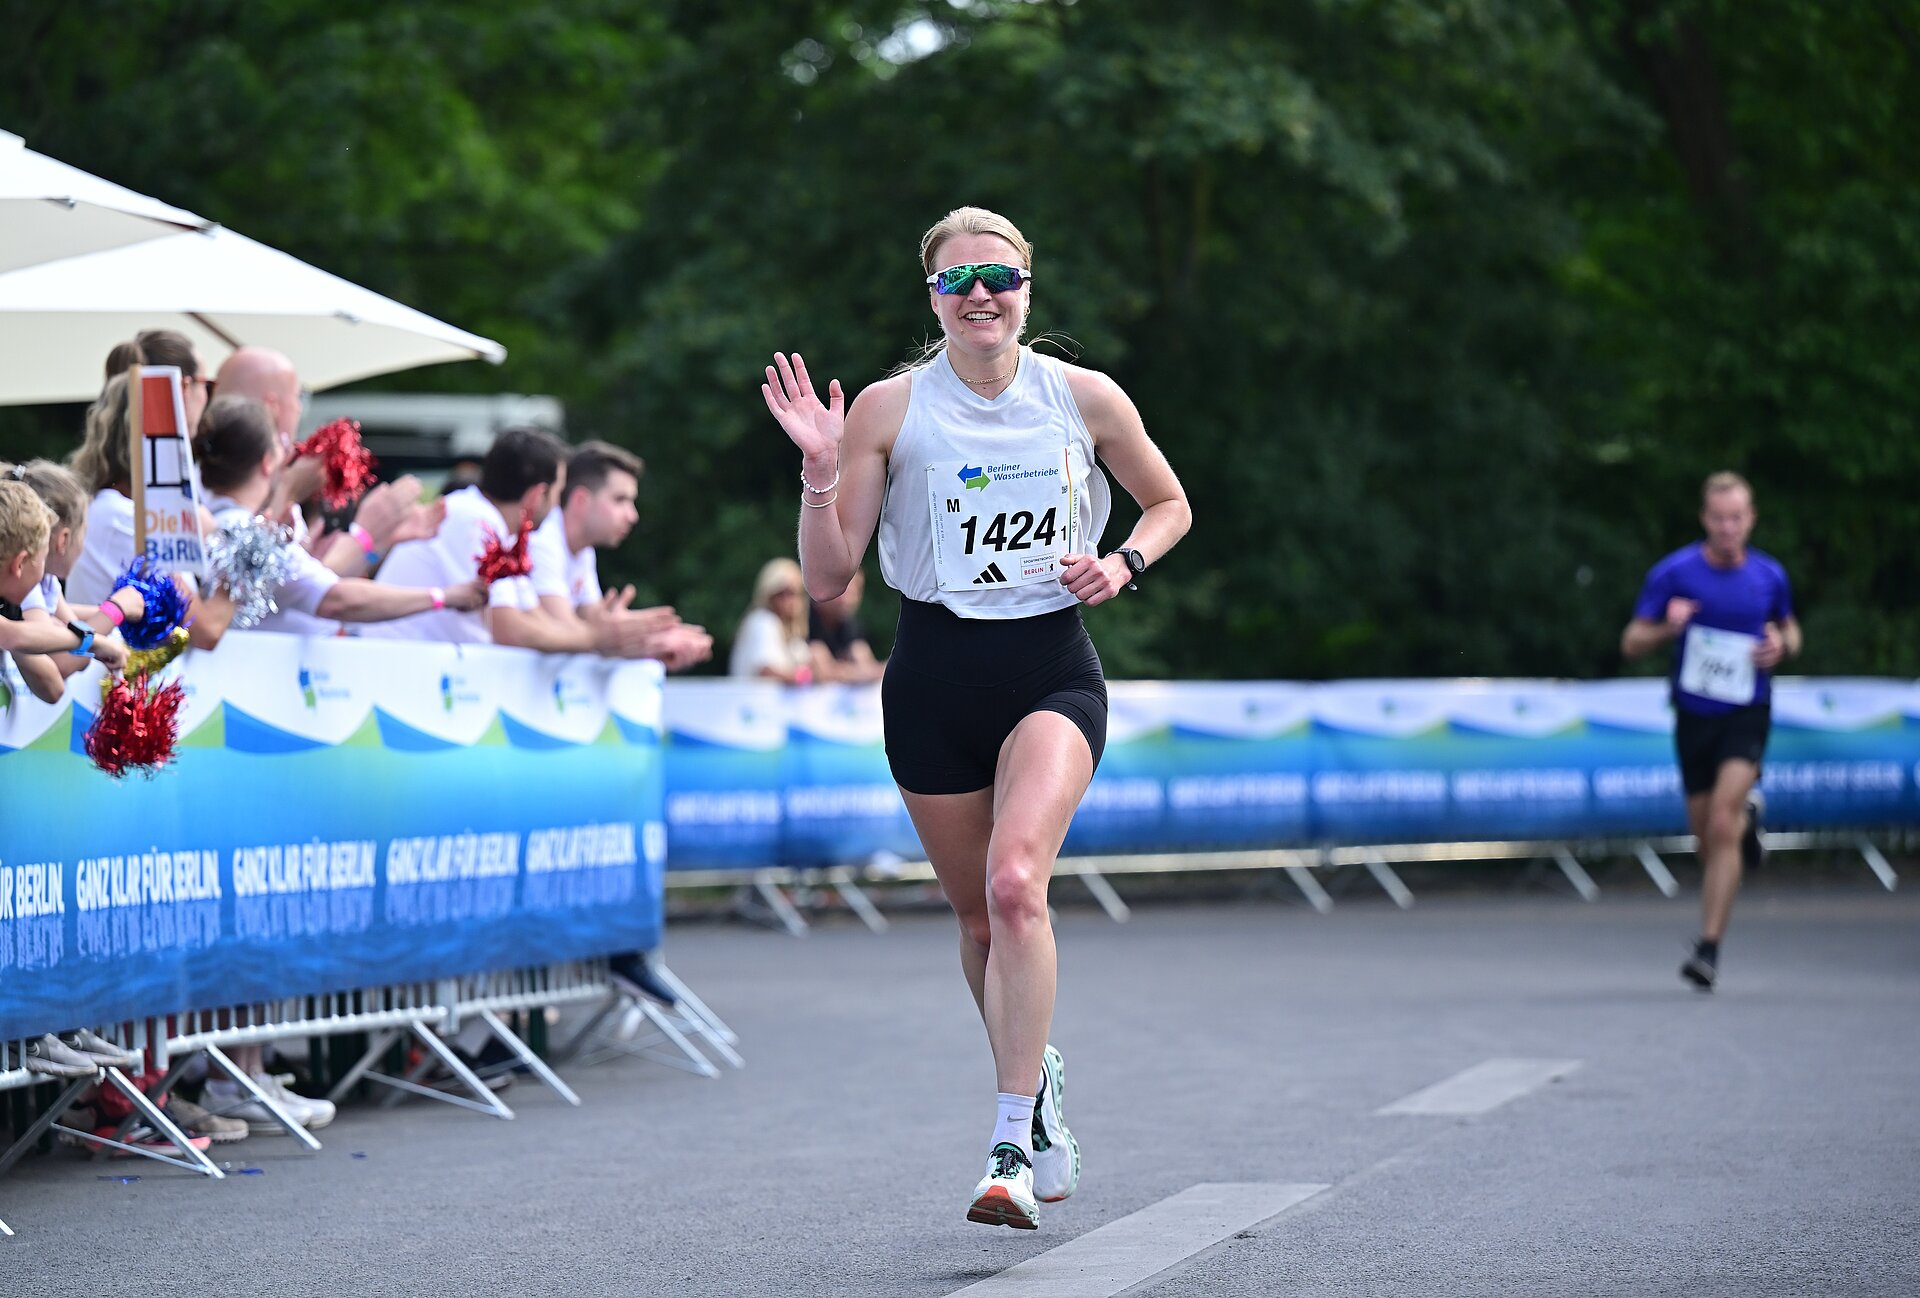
pixel 823 504
pixel 819 491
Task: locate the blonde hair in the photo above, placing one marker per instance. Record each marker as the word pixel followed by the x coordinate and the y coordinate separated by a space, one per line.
pixel 25 523
pixel 972 220
pixel 1725 480
pixel 782 574
pixel 57 488
pixel 102 459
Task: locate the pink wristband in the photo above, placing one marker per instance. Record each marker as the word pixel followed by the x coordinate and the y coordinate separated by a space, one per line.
pixel 364 537
pixel 438 596
pixel 113 612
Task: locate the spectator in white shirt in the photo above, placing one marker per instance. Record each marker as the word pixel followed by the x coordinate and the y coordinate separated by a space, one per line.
pixel 101 462
pixel 575 615
pixel 772 639
pixel 237 453
pixel 518 479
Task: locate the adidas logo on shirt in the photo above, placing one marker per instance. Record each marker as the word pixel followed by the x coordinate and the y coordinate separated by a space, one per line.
pixel 991 576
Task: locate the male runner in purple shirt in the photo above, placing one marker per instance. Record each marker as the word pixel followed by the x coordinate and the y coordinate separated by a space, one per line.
pixel 1729 610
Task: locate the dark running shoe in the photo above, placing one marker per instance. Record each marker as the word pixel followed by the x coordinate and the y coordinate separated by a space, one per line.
pixel 632 973
pixel 1753 853
pixel 1700 970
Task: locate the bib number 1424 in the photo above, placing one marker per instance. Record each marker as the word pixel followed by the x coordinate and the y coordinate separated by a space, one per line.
pixel 1016 531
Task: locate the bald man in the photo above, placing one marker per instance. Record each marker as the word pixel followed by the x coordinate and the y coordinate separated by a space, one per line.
pixel 388 514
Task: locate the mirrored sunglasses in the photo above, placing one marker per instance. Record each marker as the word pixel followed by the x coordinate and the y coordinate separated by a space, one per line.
pixel 997 277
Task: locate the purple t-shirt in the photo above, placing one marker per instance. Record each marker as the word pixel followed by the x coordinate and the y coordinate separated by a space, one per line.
pixel 1742 599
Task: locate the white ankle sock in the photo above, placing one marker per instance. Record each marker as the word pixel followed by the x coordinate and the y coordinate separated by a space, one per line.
pixel 1015 1124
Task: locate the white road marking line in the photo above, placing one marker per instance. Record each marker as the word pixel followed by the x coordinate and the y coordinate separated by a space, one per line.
pixel 1112 1258
pixel 1484 1086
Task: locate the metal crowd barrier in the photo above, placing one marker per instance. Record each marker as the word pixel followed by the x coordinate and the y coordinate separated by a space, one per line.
pixel 421 1011
pixel 1303 866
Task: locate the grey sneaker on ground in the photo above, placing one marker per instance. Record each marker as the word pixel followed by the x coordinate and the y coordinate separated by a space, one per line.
pixel 1056 1154
pixel 196 1121
pixel 55 1058
pixel 87 1042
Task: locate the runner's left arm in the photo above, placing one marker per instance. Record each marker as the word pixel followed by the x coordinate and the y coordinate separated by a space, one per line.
pixel 1142 471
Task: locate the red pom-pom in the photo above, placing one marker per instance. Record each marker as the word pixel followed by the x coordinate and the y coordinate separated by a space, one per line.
pixel 137 728
pixel 516 560
pixel 348 464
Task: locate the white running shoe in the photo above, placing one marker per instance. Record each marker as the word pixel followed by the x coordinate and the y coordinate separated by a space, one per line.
pixel 1056 1154
pixel 309 1113
pixel 1004 1196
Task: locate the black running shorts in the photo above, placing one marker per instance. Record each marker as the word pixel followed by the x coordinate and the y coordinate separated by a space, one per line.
pixel 1706 739
pixel 956 687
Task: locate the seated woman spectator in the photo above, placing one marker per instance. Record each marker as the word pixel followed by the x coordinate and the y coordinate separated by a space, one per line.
pixel 772 639
pixel 237 452
pixel 101 462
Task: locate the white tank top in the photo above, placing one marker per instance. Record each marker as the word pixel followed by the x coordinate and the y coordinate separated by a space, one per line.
pixel 983 495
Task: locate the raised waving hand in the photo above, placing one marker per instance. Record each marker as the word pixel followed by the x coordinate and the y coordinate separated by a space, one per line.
pixel 815 428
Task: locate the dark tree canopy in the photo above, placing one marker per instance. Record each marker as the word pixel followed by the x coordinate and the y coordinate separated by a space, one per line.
pixel 1441 310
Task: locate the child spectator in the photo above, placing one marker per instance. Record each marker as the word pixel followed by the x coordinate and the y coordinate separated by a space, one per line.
pixel 25 527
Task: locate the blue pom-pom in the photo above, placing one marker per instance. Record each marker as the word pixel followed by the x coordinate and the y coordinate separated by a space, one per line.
pixel 166 604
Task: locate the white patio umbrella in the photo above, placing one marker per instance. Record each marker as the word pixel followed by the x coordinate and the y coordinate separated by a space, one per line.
pixel 49 210
pixel 221 289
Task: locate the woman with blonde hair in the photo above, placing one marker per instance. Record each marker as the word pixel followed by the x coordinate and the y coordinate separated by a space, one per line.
pixel 978 467
pixel 772 639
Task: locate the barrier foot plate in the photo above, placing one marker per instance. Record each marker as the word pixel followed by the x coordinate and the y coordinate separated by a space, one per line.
pixel 45 1121
pixel 534 1063
pixel 1384 875
pixel 1117 910
pixel 1582 881
pixel 1656 869
pixel 1878 864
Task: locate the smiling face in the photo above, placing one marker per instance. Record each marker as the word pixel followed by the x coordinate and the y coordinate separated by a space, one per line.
pixel 977 322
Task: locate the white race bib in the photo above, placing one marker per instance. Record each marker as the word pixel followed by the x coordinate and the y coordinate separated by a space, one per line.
pixel 1000 522
pixel 1718 665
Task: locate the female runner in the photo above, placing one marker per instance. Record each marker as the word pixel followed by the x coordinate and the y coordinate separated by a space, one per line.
pixel 978 466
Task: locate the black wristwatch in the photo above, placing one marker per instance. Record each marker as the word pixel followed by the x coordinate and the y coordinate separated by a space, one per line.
pixel 1136 564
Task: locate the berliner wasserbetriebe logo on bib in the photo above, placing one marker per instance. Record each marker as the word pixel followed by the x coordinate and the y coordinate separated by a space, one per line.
pixel 1000 522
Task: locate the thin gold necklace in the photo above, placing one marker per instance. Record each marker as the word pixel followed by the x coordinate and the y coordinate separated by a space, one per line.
pixel 981 383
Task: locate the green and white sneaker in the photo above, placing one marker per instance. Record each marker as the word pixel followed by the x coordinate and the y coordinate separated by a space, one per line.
pixel 1056 1154
pixel 1004 1196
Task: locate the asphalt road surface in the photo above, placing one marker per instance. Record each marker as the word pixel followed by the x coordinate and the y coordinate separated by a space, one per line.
pixel 1474 1097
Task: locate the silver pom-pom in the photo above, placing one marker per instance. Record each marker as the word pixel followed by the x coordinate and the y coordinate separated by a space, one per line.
pixel 253 560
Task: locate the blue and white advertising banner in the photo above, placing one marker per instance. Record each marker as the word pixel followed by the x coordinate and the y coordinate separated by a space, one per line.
pixel 760 775
pixel 341 813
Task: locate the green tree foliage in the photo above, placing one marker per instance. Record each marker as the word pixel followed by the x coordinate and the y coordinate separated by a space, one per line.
pixel 1442 308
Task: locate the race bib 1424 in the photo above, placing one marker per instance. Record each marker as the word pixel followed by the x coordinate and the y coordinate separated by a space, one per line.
pixel 1000 522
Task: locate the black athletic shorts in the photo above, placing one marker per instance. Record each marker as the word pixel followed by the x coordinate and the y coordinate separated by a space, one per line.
pixel 1706 739
pixel 956 687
